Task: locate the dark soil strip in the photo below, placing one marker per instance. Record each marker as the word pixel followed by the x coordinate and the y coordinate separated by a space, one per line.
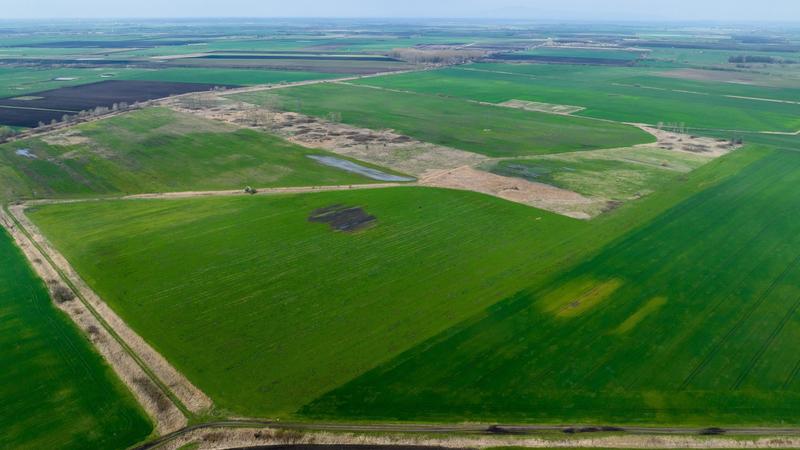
pixel 87 97
pixel 306 57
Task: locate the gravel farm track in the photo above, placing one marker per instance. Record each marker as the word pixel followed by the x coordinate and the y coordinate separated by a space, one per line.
pixel 240 433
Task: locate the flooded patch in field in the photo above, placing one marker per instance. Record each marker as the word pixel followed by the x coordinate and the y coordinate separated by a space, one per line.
pixel 350 166
pixel 25 152
pixel 343 218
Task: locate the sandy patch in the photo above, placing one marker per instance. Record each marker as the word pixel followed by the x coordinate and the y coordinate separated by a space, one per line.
pixel 65 138
pixel 667 140
pixel 516 190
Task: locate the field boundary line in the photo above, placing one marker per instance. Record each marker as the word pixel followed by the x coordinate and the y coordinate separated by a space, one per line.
pixel 263 191
pixel 223 193
pixel 29 108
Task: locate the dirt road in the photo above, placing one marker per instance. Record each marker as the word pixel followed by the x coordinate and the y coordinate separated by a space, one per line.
pixel 242 433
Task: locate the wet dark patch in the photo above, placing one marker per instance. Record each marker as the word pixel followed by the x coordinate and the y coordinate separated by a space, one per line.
pixel 343 218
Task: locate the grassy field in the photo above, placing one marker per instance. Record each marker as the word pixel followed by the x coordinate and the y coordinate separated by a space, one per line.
pixel 25 80
pixel 57 393
pixel 224 76
pixel 616 54
pixel 618 174
pixel 488 130
pixel 619 94
pixel 343 67
pixel 157 150
pixel 690 319
pixel 18 81
pixel 250 280
pixel 265 290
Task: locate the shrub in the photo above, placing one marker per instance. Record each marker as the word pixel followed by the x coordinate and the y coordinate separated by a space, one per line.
pixel 63 294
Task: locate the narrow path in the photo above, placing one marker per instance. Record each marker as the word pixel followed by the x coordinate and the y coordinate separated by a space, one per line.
pixel 220 193
pixel 266 191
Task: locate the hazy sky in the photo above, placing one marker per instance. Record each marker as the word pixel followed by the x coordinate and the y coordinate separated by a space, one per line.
pixel 721 10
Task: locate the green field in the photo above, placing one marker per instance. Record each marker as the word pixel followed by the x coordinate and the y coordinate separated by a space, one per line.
pixel 224 76
pixel 456 123
pixel 691 319
pixel 619 54
pixel 265 290
pixel 342 67
pixel 57 392
pixel 158 150
pixel 619 94
pixel 18 81
pixel 250 280
pixel 617 174
pixel 675 303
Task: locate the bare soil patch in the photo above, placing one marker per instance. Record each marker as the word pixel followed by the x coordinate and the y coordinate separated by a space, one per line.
pixel 343 218
pixel 516 190
pixel 667 140
pixel 66 138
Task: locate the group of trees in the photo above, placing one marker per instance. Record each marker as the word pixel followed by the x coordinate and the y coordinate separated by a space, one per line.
pixel 675 127
pixel 7 133
pixel 88 114
pixel 437 56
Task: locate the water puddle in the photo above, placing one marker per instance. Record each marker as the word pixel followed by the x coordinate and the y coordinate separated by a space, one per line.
pixel 350 166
